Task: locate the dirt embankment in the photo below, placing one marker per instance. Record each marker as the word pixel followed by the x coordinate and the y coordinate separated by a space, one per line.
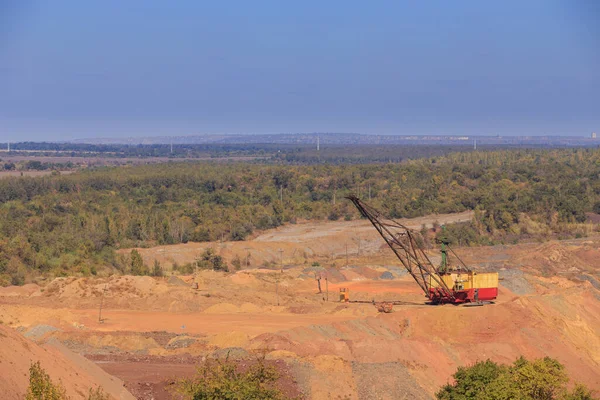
pixel 154 328
pixel 74 372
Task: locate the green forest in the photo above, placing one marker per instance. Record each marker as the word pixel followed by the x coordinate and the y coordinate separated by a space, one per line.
pixel 58 225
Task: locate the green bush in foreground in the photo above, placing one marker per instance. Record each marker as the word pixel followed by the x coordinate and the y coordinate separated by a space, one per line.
pixel 223 380
pixel 41 387
pixel 541 379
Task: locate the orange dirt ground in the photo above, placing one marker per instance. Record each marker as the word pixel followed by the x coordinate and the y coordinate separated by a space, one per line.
pixel 74 372
pixel 155 328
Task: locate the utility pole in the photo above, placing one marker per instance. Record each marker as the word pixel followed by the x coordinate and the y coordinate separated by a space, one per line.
pixel 279 274
pixel 346 254
pixel 277 288
pixel 318 279
pixel 326 286
pixel 281 260
pixel 247 256
pixel 100 320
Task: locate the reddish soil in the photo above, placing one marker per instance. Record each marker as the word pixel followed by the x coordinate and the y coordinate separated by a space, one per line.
pixel 74 372
pixel 156 377
pixel 548 305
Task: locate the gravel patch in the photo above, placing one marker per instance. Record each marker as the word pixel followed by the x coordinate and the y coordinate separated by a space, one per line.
pixel 379 380
pixel 179 343
pixel 515 281
pixel 175 281
pixel 234 353
pixel 38 331
pixel 595 283
pixel 386 275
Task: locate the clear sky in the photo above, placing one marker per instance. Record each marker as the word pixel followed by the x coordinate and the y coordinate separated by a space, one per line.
pixel 110 68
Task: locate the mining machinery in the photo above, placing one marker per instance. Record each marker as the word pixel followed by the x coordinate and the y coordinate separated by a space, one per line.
pixel 442 284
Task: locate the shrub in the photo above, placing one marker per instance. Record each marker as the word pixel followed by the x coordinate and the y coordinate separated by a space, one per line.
pixel 137 264
pixel 157 269
pixel 209 260
pixel 216 379
pixel 333 216
pixel 459 234
pixel 97 394
pixel 541 379
pixel 41 386
pixel 237 263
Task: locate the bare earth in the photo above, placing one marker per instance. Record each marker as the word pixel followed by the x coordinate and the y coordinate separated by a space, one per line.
pixel 156 329
pixel 320 241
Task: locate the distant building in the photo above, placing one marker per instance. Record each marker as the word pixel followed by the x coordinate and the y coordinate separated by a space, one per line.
pixel 593 135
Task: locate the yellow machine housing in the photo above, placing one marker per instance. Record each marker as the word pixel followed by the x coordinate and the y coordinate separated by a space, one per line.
pixel 464 280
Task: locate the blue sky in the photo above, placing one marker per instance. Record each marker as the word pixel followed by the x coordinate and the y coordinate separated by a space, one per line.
pixel 72 69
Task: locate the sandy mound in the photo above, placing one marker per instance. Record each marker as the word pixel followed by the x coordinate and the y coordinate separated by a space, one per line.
pixel 352 276
pixel 244 278
pixel 368 272
pixel 230 339
pixel 173 280
pixel 76 373
pixel 250 308
pixel 123 342
pixel 19 291
pixel 222 308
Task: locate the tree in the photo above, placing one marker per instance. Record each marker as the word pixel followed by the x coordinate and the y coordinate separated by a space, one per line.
pixel 156 269
pixel 209 260
pixel 137 264
pixel 541 379
pixel 236 262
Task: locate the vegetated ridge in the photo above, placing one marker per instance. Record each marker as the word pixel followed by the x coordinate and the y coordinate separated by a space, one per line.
pixel 72 224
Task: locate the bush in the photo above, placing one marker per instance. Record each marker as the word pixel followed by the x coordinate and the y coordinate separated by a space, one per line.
pixel 97 394
pixel 333 216
pixel 209 260
pixel 186 269
pixel 237 263
pixel 157 269
pixel 459 234
pixel 541 379
pixel 41 387
pixel 137 264
pixel 217 379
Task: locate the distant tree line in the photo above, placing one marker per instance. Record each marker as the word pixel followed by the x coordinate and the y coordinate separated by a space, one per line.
pixel 277 153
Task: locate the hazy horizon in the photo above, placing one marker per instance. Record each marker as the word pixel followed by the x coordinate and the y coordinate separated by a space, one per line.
pixel 84 70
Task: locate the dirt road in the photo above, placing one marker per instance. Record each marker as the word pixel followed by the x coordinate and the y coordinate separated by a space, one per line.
pixel 296 244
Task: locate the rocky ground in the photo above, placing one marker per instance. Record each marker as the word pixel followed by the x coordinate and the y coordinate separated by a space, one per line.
pixel 155 330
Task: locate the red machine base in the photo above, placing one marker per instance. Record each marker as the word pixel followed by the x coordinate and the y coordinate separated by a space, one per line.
pixel 463 296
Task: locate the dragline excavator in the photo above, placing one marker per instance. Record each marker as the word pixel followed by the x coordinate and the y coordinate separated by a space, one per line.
pixel 440 284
